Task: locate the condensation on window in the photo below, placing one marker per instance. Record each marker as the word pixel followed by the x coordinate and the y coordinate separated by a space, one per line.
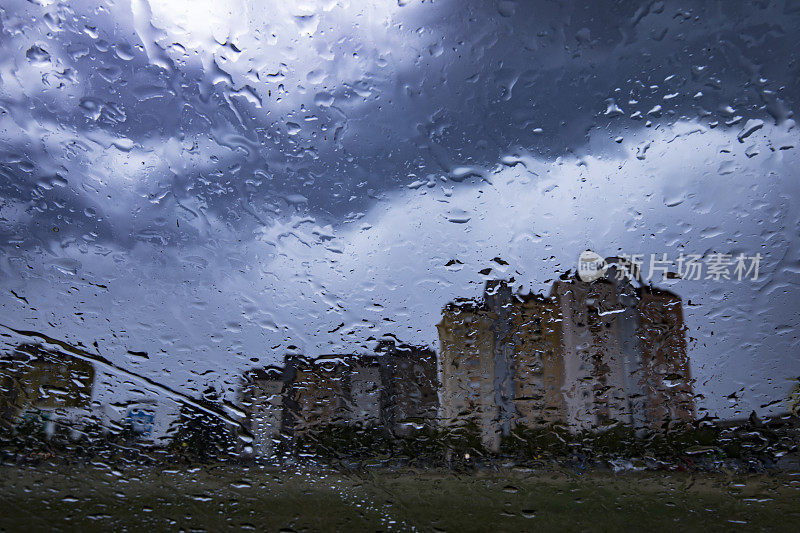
pixel 399 265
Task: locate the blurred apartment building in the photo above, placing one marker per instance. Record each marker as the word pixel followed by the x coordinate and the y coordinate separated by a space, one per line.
pixel 394 390
pixel 589 356
pixel 43 387
pixel 48 389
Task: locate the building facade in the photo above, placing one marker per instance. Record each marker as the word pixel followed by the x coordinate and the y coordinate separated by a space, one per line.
pixel 393 390
pixel 262 399
pixel 665 373
pixel 468 371
pixel 51 385
pixel 412 387
pixel 590 356
pixel 538 366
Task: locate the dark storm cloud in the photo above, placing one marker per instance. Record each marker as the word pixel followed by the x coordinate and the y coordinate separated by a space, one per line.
pixel 465 84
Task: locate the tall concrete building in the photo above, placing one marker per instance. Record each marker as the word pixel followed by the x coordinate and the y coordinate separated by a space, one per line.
pixel 665 375
pixel 500 363
pixel 538 365
pixel 470 382
pixel 590 356
pixel 262 399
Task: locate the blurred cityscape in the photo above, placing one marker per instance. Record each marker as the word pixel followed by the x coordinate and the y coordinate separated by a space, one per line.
pixel 586 358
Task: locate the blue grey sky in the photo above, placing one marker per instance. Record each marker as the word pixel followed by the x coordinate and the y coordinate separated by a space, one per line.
pixel 216 184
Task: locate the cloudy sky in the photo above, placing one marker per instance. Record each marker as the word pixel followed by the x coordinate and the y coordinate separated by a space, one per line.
pixel 218 183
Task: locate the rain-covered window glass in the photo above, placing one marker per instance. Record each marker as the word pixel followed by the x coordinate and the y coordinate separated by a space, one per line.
pixel 399 265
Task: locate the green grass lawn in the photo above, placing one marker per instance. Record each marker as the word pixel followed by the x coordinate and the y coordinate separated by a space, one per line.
pixel 214 498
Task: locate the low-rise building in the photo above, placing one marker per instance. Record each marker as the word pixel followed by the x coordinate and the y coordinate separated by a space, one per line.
pixel 412 387
pixel 50 385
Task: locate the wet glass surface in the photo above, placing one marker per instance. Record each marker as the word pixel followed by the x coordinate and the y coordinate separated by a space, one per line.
pixel 399 265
